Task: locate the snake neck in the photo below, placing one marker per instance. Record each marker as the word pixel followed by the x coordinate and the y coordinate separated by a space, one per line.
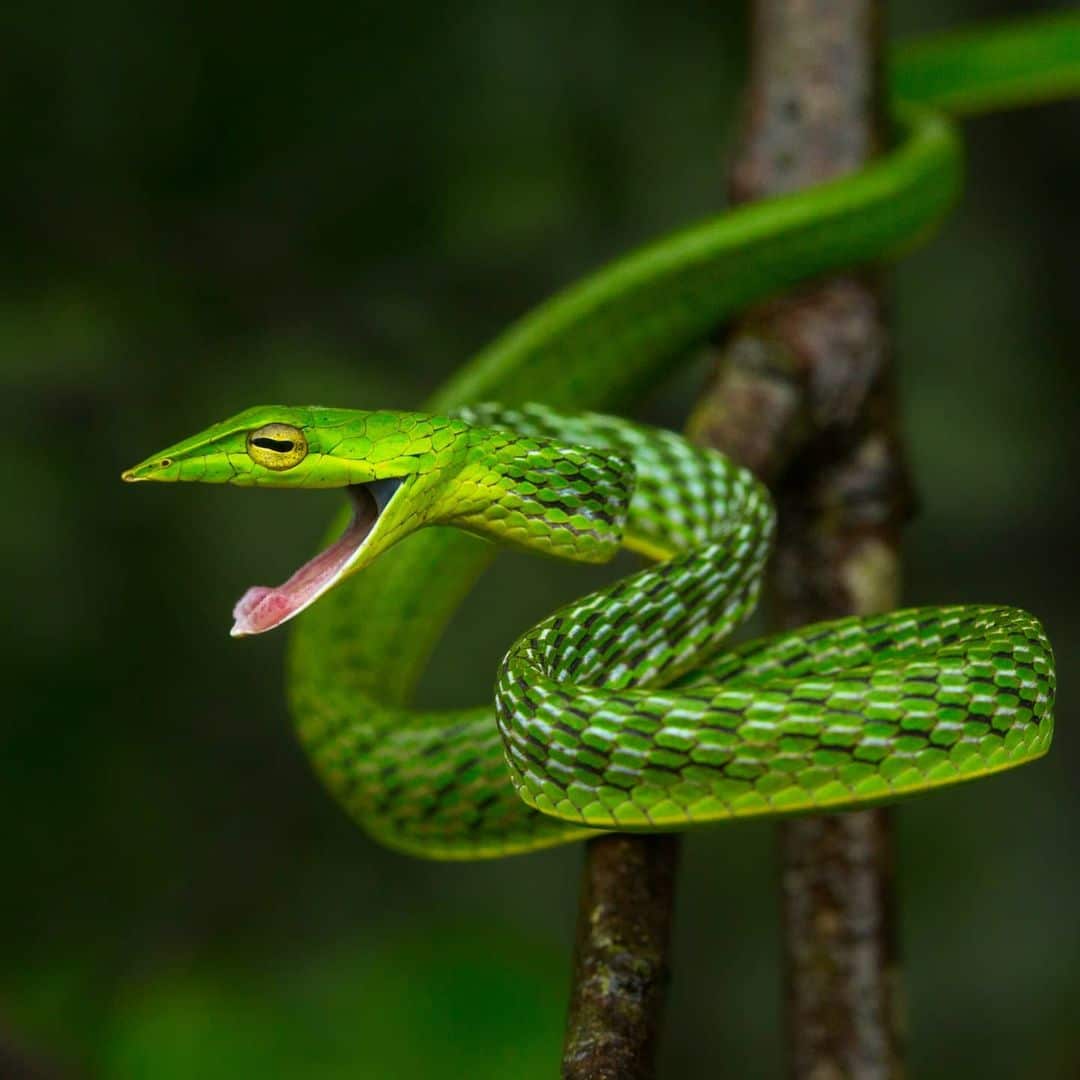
pixel 533 493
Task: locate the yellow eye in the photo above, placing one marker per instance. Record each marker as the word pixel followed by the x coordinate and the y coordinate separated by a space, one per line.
pixel 277 446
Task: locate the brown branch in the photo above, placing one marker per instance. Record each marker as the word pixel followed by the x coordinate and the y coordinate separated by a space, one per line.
pixel 621 957
pixel 803 394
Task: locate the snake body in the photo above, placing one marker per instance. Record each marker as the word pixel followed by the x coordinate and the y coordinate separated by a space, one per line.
pixel 624 710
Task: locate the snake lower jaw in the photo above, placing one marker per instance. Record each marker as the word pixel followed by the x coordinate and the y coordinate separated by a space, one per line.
pixel 264 608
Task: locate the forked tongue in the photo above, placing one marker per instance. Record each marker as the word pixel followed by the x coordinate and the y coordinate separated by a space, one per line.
pixel 262 608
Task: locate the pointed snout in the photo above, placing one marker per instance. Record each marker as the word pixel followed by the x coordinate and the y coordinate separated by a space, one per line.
pixel 156 468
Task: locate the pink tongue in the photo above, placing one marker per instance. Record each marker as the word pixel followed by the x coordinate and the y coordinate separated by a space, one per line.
pixel 262 608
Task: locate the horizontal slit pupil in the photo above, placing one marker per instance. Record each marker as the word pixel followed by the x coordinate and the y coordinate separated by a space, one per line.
pixel 282 446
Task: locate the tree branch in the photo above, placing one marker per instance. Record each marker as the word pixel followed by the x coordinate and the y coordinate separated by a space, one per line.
pixel 803 394
pixel 621 957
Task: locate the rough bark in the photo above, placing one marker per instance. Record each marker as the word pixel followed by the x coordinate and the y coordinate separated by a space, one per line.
pixel 803 394
pixel 621 957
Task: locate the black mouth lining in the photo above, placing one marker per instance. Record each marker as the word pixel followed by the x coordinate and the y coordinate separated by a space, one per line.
pixel 380 491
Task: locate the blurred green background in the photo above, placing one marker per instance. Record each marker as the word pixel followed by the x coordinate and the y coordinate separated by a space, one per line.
pixel 216 205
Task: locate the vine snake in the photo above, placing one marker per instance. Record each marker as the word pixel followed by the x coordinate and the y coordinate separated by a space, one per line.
pixel 623 710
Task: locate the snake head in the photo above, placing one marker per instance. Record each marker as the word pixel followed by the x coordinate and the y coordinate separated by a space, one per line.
pixel 374 456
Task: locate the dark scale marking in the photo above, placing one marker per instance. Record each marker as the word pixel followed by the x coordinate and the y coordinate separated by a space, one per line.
pixel 593 770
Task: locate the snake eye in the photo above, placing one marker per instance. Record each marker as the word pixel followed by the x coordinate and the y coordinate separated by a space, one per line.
pixel 277 446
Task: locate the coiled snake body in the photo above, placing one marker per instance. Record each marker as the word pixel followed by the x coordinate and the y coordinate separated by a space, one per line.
pixel 624 710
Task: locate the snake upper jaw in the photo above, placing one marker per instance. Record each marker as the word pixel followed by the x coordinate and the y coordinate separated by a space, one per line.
pixel 263 608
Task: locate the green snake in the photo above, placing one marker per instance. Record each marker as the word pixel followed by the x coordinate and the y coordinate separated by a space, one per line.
pixel 625 710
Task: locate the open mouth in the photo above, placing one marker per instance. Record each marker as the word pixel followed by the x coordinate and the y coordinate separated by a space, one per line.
pixel 262 608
